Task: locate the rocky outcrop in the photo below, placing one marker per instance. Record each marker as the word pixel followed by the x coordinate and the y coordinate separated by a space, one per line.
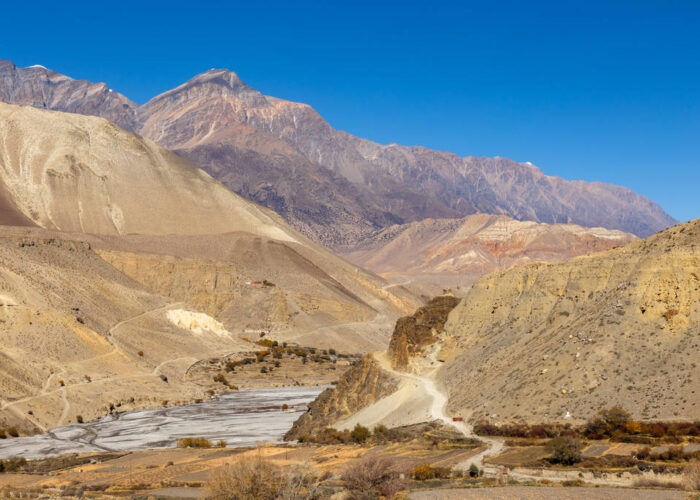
pixel 620 327
pixel 458 251
pixel 265 148
pixel 362 385
pixel 42 88
pixel 413 333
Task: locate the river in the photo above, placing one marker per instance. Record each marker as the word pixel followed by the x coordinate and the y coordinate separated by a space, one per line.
pixel 242 418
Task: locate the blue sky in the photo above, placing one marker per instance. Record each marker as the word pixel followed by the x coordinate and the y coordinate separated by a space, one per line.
pixel 606 91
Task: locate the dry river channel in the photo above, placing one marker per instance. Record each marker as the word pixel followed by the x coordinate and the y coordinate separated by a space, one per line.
pixel 243 418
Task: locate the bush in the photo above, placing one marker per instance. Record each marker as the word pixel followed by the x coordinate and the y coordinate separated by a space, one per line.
pixel 252 478
pixel 221 444
pixel 425 472
pixel 380 430
pixel 473 470
pixel 79 419
pixel 2 434
pixel 691 476
pixel 359 434
pixel 219 377
pixel 12 431
pixel 12 465
pixel 372 477
pixel 193 443
pixel 565 450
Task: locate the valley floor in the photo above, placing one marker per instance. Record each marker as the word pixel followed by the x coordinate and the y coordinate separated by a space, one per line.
pixel 183 473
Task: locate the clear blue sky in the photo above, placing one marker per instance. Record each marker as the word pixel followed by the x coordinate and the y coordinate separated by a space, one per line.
pixel 593 90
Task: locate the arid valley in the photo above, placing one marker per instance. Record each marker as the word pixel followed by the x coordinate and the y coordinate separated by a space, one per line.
pixel 210 292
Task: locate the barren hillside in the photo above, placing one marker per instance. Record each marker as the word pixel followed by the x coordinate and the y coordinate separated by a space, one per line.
pixel 458 251
pixel 77 335
pixel 619 327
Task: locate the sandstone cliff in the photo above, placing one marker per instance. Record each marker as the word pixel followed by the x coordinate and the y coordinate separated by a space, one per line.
pixel 363 384
pixel 413 333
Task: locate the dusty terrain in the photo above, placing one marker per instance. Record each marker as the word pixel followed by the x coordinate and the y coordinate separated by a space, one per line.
pixel 546 493
pixel 77 335
pixel 126 265
pixel 183 473
pixel 619 327
pixel 456 252
pixel 330 185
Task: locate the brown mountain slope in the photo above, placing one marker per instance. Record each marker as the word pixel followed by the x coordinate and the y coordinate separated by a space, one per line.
pixel 458 251
pixel 412 183
pixel 82 174
pixel 42 88
pixel 71 329
pixel 620 327
pixel 267 148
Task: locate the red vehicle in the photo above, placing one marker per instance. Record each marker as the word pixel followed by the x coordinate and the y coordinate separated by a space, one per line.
pixel 458 419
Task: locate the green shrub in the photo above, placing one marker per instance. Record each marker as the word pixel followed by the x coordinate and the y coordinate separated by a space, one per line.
pixel 565 450
pixel 359 434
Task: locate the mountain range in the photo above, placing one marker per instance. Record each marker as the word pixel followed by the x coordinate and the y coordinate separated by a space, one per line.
pixel 456 252
pixel 334 187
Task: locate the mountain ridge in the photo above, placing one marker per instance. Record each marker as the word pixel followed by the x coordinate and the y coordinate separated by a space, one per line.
pixel 265 147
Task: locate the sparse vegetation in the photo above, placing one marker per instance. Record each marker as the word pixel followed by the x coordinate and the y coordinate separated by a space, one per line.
pixel 372 477
pixel 194 443
pixel 474 470
pixel 614 423
pixel 425 472
pixel 691 476
pixel 253 478
pixel 12 465
pixel 359 434
pixel 565 450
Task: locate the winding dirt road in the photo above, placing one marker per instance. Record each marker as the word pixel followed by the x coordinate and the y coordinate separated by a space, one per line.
pixel 495 446
pixel 63 391
pixel 437 410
